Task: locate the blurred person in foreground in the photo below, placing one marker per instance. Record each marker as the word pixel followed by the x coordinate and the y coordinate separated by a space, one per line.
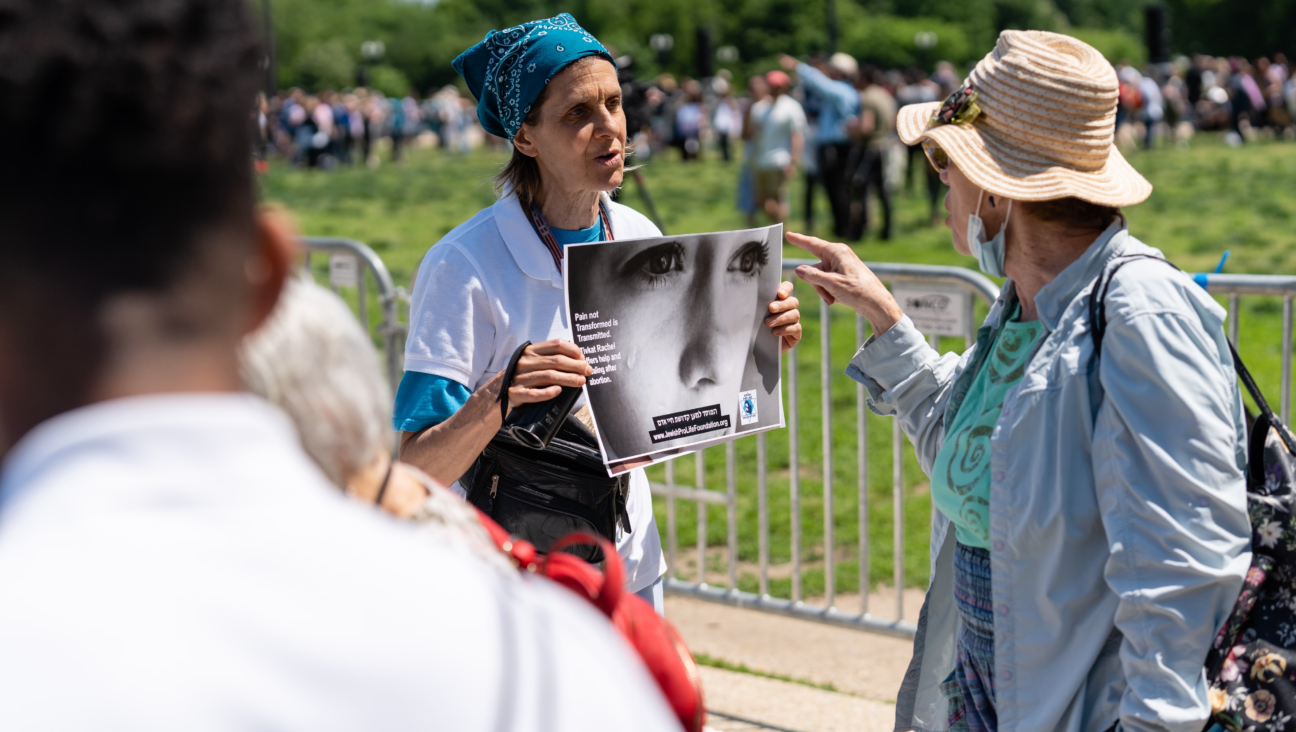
pixel 838 102
pixel 778 127
pixel 1090 534
pixel 171 558
pixel 495 282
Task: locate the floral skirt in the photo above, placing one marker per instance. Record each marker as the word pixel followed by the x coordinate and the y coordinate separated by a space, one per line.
pixel 970 687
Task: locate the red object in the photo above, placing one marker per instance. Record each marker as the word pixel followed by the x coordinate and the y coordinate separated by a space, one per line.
pixel 263 166
pixel 777 78
pixel 657 641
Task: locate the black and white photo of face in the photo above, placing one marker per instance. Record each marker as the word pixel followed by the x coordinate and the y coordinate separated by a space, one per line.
pixel 689 331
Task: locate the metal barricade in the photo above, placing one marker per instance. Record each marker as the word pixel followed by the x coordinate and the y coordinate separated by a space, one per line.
pixel 390 327
pixel 392 330
pixel 957 278
pixel 1235 285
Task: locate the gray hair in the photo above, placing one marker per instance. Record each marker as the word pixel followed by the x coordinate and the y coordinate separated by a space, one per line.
pixel 314 361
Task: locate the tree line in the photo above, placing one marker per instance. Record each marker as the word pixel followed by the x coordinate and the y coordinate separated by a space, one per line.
pixel 318 42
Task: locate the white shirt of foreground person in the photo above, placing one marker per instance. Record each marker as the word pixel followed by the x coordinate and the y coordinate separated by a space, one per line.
pixel 488 287
pixel 178 563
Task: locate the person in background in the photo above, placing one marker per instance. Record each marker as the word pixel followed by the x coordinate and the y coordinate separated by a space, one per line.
pixel 916 88
pixel 171 558
pixel 1090 533
pixel 495 282
pixel 839 102
pixel 873 130
pixel 1153 105
pixel 757 90
pixel 728 118
pixel 690 120
pixel 780 129
pixel 395 127
pixel 810 158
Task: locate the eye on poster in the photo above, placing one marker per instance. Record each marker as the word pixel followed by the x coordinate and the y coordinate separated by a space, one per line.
pixel 673 328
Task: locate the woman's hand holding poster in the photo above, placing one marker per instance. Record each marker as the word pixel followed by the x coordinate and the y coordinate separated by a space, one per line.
pixel 673 328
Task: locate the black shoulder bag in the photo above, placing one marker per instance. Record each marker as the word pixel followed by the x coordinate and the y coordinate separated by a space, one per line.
pixel 542 490
pixel 1251 666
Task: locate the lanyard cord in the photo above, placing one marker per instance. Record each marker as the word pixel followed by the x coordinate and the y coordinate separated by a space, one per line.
pixel 542 230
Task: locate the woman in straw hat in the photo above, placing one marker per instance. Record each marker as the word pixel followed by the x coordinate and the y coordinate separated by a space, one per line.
pixel 1091 533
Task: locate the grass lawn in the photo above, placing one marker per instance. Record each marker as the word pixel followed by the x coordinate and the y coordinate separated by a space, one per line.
pixel 1207 199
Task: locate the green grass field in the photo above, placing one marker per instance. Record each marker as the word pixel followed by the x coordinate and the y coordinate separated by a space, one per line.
pixel 1207 199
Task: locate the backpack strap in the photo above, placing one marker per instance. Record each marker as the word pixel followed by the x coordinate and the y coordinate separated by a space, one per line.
pixel 1098 297
pixel 1098 326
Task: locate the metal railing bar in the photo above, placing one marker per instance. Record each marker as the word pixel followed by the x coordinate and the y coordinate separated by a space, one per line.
pixel 833 616
pixel 794 473
pixel 861 447
pixel 1249 284
pixel 1233 313
pixel 762 510
pixel 392 329
pixel 965 279
pixel 825 394
pixel 731 498
pixel 362 287
pixel 699 480
pixel 670 490
pixel 1286 359
pixel 897 497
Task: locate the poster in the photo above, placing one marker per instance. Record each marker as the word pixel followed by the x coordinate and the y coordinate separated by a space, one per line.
pixel 673 329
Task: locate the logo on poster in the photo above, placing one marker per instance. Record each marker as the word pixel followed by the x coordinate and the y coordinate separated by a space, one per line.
pixel 747 407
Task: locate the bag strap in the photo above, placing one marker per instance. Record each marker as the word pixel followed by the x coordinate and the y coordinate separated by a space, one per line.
pixel 613 588
pixel 1098 297
pixel 1245 376
pixel 509 373
pixel 1098 326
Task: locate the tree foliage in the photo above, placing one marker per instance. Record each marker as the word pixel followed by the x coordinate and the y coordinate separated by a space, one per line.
pixel 317 41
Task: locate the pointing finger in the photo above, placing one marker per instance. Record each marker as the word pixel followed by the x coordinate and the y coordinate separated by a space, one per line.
pixel 814 245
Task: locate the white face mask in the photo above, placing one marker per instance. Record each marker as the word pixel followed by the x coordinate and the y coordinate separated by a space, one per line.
pixel 989 254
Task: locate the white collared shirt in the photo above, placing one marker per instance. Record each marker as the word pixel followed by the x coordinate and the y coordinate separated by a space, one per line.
pixel 177 563
pixel 488 287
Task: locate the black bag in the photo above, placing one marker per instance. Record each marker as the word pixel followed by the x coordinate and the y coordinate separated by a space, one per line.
pixel 541 495
pixel 1251 666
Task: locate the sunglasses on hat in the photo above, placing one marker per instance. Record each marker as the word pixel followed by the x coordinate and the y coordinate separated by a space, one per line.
pixel 940 159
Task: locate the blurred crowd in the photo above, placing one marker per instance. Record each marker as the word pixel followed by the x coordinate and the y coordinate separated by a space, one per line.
pixel 334 128
pixel 1245 99
pixel 826 118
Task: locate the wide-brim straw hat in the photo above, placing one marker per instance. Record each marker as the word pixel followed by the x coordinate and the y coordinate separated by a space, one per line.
pixel 1046 128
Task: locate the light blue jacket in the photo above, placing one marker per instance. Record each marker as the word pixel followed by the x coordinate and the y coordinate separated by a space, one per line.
pixel 1118 527
pixel 840 103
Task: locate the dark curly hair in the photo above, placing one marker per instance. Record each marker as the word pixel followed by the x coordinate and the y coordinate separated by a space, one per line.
pixel 127 138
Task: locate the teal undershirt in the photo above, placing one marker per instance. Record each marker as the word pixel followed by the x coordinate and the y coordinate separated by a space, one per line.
pixel 960 483
pixel 425 400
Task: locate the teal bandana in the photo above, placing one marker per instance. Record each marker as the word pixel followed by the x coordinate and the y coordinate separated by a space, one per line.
pixel 509 68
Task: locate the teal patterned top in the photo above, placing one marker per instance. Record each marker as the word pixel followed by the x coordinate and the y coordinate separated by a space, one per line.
pixel 960 482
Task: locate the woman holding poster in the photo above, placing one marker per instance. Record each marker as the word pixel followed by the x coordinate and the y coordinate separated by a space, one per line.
pixel 495 282
pixel 1091 532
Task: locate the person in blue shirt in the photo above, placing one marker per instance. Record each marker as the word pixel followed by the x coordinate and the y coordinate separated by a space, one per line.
pixel 838 102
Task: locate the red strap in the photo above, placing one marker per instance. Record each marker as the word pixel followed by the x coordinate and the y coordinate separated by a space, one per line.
pixel 542 230
pixel 614 577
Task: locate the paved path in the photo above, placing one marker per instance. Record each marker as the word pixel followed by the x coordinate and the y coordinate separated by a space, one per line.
pixel 865 666
pixel 786 706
